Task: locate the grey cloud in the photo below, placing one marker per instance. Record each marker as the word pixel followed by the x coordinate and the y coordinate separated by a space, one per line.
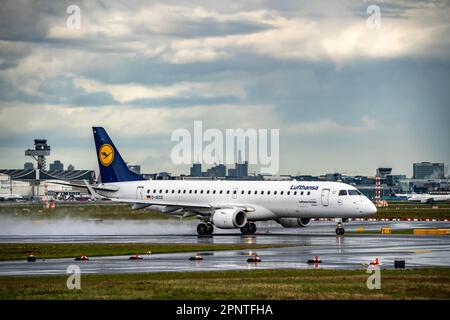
pixel 57 90
pixel 184 102
pixel 408 97
pixel 25 20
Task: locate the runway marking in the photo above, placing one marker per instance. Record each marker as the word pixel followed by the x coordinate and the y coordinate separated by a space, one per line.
pixel 422 251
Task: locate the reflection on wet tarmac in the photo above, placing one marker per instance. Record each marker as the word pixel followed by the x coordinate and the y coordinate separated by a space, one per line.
pixel 336 252
pixel 347 252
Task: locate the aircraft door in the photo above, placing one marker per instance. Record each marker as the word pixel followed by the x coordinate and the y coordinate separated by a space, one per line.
pixel 140 193
pixel 325 197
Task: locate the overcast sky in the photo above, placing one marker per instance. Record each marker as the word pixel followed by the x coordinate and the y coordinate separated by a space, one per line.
pixel 345 97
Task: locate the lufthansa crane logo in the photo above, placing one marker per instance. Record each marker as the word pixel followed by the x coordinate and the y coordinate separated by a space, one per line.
pixel 106 154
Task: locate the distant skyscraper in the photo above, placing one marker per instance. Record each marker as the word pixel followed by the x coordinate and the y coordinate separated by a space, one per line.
pixel 218 171
pixel 240 170
pixel 56 165
pixel 428 170
pixel 196 170
pixel 28 166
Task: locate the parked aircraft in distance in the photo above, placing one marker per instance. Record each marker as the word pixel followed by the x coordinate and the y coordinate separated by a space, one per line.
pixel 422 197
pixel 10 197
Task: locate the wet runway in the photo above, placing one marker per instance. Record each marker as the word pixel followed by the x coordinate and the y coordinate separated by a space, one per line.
pixel 168 232
pixel 347 252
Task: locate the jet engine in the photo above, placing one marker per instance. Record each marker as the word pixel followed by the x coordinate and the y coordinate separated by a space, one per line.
pixel 229 218
pixel 294 222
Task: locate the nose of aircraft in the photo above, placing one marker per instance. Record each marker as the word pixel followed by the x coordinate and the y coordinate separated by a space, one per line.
pixel 369 207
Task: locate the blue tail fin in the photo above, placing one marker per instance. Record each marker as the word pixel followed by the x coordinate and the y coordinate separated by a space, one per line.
pixel 112 167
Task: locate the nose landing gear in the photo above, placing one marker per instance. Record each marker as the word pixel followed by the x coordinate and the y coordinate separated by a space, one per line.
pixel 340 229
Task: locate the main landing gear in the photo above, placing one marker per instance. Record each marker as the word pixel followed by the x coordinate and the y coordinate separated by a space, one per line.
pixel 249 228
pixel 340 229
pixel 205 229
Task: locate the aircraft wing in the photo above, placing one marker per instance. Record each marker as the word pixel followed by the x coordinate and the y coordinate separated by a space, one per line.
pixel 139 204
pixel 186 205
pixel 103 188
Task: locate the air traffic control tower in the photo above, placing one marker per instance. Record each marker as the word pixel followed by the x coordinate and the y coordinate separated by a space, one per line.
pixel 40 151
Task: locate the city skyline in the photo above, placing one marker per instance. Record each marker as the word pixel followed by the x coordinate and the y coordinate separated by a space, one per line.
pixel 201 170
pixel 345 97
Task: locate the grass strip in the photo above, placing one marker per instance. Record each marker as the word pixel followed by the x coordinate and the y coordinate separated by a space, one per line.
pixel 249 284
pixel 17 251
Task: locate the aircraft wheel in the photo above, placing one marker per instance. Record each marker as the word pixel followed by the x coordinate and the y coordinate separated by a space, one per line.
pixel 245 229
pixel 252 228
pixel 202 229
pixel 210 229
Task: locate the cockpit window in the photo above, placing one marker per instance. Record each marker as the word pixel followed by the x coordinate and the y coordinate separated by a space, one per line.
pixel 343 192
pixel 354 193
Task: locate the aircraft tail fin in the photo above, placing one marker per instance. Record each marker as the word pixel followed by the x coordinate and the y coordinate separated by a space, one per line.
pixel 112 167
pixel 393 194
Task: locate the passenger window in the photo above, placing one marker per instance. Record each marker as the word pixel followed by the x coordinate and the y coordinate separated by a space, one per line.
pixel 167 191
pixel 309 192
pixel 220 192
pixel 281 192
pixel 288 193
pixel 343 192
pixel 195 191
pixel 295 193
pixel 301 193
pixel 160 191
pixel 234 191
pixel 207 191
pixel 275 193
pixel 214 191
pixel 249 192
pixel 201 191
pixel 184 191
pixel 242 192
pixel 256 192
pixel 173 191
pixel 262 192
pixel 228 191
pixel 268 192
pixel 154 191
pixel 148 191
pixel 190 191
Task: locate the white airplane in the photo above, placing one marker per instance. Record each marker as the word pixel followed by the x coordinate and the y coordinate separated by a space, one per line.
pixel 226 204
pixel 10 197
pixel 422 197
pixel 400 196
pixel 429 198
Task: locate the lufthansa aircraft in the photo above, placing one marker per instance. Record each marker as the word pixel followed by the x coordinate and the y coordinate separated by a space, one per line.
pixel 226 204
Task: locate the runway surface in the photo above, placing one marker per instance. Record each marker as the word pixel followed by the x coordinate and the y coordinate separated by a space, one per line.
pixel 119 231
pixel 346 252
